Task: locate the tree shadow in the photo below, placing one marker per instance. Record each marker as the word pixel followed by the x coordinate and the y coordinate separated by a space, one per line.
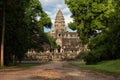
pixel 43 78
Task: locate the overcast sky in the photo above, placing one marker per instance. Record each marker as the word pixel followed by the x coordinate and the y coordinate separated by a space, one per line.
pixel 51 7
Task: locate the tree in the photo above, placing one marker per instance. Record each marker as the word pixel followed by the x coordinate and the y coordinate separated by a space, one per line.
pixel 23 28
pixel 0 23
pixel 108 42
pixel 3 34
pixel 114 31
pixel 89 16
pixel 36 19
pixel 92 15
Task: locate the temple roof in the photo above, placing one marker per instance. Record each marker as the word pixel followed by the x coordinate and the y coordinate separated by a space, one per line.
pixel 59 13
pixel 59 22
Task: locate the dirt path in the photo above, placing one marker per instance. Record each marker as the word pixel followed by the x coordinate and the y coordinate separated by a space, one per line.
pixel 52 71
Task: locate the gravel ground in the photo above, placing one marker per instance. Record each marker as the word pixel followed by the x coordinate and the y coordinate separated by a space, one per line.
pixel 53 71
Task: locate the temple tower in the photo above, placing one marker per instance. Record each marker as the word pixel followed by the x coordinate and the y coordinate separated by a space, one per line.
pixel 66 41
pixel 59 28
pixel 59 23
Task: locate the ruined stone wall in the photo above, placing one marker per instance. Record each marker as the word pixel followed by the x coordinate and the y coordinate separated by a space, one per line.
pixel 50 56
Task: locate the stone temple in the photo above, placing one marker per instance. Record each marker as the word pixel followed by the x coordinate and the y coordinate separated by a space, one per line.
pixel 67 41
pixel 69 45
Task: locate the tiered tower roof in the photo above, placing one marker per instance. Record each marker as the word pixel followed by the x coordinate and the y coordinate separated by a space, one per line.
pixel 59 22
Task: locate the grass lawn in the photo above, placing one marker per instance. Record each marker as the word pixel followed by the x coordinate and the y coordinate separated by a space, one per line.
pixel 23 65
pixel 112 66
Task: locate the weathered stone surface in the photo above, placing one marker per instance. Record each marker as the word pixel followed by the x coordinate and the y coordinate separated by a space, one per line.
pixel 67 41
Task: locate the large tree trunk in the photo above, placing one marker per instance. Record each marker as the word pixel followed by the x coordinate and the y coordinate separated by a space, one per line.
pixel 0 54
pixel 3 35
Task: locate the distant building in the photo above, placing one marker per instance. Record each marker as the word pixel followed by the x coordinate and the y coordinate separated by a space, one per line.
pixel 67 41
pixel 69 45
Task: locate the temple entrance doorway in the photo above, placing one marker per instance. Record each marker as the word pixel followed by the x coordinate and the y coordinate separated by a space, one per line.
pixel 59 48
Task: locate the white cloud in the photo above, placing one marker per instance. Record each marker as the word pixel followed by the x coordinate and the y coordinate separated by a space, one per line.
pixel 68 20
pixel 66 10
pixel 47 1
pixel 49 13
pixel 52 1
pixel 59 6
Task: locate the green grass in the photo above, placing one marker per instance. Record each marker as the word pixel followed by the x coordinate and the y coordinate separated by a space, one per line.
pixel 27 65
pixel 7 67
pixel 112 66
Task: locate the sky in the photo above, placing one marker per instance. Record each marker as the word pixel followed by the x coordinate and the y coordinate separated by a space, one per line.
pixel 51 7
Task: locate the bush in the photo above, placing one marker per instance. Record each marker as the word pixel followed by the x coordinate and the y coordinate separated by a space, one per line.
pixel 95 55
pixel 88 56
pixel 91 58
pixel 81 55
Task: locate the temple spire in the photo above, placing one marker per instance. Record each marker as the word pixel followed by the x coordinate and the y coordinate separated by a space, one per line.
pixel 60 14
pixel 60 22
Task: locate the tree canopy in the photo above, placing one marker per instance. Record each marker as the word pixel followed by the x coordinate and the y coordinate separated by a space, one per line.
pixel 25 20
pixel 91 16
